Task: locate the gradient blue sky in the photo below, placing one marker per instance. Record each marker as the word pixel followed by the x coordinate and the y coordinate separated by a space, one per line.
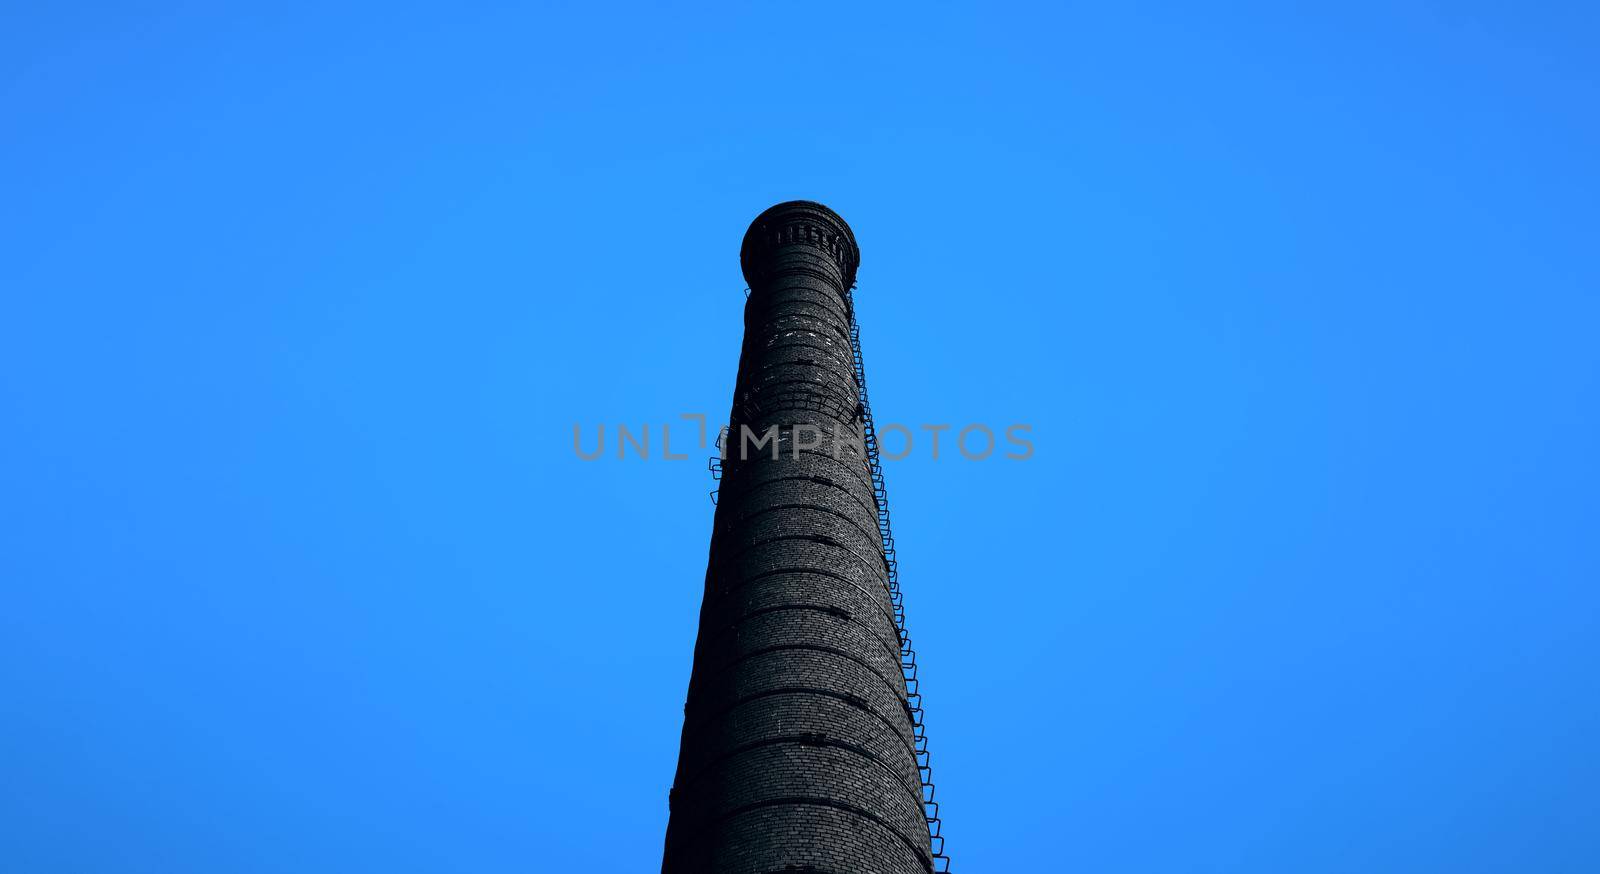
pixel 300 305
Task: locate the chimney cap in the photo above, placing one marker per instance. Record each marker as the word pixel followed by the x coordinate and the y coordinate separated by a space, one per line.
pixel 823 228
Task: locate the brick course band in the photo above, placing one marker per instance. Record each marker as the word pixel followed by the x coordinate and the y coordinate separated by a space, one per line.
pixel 798 752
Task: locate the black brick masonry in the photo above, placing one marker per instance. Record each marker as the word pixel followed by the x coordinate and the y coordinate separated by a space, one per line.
pixel 797 751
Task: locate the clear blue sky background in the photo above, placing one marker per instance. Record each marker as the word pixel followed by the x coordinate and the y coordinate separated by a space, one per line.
pixel 300 305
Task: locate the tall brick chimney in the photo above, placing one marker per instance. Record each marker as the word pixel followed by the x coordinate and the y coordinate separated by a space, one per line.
pixel 798 752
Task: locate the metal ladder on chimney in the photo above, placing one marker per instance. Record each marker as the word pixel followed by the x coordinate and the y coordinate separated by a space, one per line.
pixel 908 655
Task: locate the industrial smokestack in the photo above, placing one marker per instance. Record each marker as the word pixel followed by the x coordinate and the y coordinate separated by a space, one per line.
pixel 799 751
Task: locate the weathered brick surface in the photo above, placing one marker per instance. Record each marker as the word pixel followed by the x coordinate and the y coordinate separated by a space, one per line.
pixel 797 745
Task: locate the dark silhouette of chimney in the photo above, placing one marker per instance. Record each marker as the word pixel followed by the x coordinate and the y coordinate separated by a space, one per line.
pixel 798 750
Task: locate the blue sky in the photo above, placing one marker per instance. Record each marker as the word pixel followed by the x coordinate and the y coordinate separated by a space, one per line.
pixel 301 304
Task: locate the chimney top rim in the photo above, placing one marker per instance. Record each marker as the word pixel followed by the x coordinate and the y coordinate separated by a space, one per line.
pixel 850 257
